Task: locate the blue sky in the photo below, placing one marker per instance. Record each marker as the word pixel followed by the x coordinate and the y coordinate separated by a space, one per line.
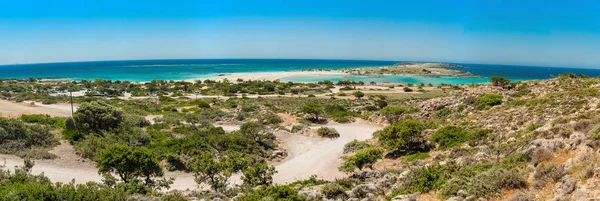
pixel 551 33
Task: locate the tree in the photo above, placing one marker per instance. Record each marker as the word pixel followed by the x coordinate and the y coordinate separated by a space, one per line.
pixel 405 134
pixel 359 94
pixel 500 82
pixel 212 171
pixel 259 133
pixel 392 114
pixel 131 164
pixel 258 173
pixel 95 117
pixel 363 158
pixel 314 109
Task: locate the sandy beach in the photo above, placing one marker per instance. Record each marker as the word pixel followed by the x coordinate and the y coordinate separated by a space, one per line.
pixel 269 75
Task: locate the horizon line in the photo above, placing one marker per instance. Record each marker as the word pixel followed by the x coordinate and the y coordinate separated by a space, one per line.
pixel 323 59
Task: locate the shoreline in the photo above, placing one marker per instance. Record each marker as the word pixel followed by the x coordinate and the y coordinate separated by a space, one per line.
pixel 271 76
pixel 266 75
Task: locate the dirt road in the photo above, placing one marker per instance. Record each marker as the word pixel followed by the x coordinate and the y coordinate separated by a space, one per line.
pixel 318 156
pixel 307 156
pixel 12 109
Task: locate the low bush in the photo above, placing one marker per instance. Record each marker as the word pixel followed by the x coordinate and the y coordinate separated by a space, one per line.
pixel 44 119
pixel 583 125
pixel 35 154
pixel 489 100
pixel 441 114
pixel 284 192
pixel 271 119
pixel 449 136
pixel 361 159
pixel 371 108
pixel 564 131
pixel 296 128
pixel 328 132
pixel 333 190
pixel 545 174
pixel 311 181
pixel 355 145
pixel 337 189
pixel 15 136
pixel 479 180
pixel 484 184
pixel 22 185
pixel 416 156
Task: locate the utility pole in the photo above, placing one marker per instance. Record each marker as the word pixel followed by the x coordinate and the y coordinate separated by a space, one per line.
pixel 71 94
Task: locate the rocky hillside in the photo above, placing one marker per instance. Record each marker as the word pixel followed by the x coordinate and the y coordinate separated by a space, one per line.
pixel 535 140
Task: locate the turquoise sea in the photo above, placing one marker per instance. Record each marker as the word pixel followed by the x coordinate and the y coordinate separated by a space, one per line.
pixel 146 70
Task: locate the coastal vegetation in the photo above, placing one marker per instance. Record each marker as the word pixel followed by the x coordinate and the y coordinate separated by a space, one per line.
pixel 501 140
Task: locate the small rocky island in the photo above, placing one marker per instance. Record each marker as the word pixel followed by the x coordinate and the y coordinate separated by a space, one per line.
pixel 414 68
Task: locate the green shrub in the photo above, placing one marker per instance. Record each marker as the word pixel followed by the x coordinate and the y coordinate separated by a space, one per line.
pixel 328 132
pixel 334 190
pixel 36 154
pixel 406 135
pixel 426 178
pixel 416 156
pixel 441 114
pixel 339 113
pixel 449 136
pixel 54 122
pixel 393 114
pixel 203 104
pixel 22 185
pixel 361 159
pixel 272 119
pixel 296 128
pixel 371 108
pixel 355 145
pixel 407 89
pixel 94 117
pixel 500 82
pixel 488 100
pixel 477 135
pixel 341 118
pixel 484 184
pixel 381 103
pixel 277 192
pixel 358 94
pixel 15 136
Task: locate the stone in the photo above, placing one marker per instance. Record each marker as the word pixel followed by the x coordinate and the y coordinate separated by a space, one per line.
pixel 409 197
pixel 364 190
pixel 568 184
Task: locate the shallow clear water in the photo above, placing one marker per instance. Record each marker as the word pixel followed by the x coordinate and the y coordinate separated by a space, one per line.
pixel 388 79
pixel 146 70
